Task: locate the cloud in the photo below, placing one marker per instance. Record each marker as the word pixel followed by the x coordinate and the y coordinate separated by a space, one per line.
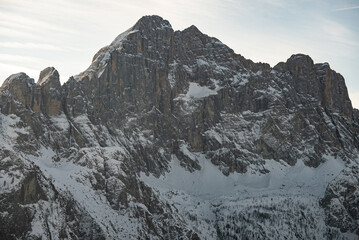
pixel 277 3
pixel 9 69
pixel 15 34
pixel 30 45
pixel 30 62
pixel 346 9
pixel 19 21
pixel 338 32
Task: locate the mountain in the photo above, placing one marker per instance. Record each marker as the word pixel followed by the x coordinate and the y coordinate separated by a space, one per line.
pixel 172 135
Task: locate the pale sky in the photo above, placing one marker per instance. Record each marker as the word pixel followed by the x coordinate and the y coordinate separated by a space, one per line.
pixel 66 34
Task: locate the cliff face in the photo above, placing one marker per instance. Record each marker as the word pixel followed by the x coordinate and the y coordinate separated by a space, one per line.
pixel 157 102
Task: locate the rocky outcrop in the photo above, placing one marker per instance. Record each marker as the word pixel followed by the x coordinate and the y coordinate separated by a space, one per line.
pixel 341 201
pixel 20 87
pixel 43 97
pixel 49 82
pixel 320 82
pixel 30 214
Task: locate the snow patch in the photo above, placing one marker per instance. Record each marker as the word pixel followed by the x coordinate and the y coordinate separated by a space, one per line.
pixel 71 178
pixel 202 62
pixel 60 121
pixel 46 78
pixel 171 74
pixel 12 77
pixel 210 183
pixel 195 91
pixel 10 128
pixel 117 43
pixel 241 78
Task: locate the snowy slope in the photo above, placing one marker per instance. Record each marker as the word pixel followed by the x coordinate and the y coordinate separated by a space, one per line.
pixel 285 196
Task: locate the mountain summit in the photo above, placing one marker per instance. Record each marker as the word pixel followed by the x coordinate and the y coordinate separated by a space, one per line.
pixel 171 134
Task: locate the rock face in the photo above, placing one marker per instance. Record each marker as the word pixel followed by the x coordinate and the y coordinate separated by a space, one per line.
pixel 165 132
pixel 49 82
pixel 44 97
pixel 341 201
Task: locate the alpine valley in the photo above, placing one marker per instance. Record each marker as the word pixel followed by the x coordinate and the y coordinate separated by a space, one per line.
pixel 171 135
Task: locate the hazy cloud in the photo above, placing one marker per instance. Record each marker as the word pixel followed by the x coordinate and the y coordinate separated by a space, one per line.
pixel 30 45
pixel 346 9
pixel 9 69
pixel 11 58
pixel 338 32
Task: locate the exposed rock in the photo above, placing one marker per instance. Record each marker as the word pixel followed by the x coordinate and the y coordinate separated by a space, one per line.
pixel 21 88
pixel 157 100
pixel 49 81
pixel 31 191
pixel 341 201
pixel 44 97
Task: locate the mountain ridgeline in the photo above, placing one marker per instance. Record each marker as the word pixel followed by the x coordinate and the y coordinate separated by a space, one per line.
pixel 171 134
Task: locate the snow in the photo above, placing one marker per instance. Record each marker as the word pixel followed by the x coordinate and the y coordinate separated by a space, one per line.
pixel 171 74
pixel 99 64
pixel 103 60
pixel 188 69
pixel 210 183
pixel 241 79
pixel 117 42
pixel 93 133
pixel 212 133
pixel 60 121
pixel 195 91
pixel 202 62
pixel 207 197
pixel 45 79
pixel 164 25
pixel 10 128
pixel 133 31
pixel 12 77
pixel 72 178
pixel 37 225
pixel 11 175
pixel 9 180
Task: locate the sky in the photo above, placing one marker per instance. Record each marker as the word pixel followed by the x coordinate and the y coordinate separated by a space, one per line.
pixel 65 34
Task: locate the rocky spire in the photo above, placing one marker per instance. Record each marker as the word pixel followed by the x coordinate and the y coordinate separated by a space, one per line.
pixel 49 81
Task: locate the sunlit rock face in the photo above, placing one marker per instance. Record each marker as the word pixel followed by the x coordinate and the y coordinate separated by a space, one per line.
pixel 170 134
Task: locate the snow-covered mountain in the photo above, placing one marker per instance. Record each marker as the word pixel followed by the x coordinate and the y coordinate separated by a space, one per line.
pixel 171 135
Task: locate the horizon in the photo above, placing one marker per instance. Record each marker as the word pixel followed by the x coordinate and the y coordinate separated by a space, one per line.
pixel 67 35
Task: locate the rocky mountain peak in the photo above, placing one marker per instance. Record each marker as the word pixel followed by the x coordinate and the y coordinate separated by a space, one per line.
pixel 297 63
pixel 320 82
pixel 19 86
pixel 151 22
pixel 192 30
pixel 300 59
pixel 172 135
pixel 49 76
pixel 16 79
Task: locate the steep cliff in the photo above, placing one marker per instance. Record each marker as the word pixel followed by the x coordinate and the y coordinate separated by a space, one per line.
pixel 170 134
